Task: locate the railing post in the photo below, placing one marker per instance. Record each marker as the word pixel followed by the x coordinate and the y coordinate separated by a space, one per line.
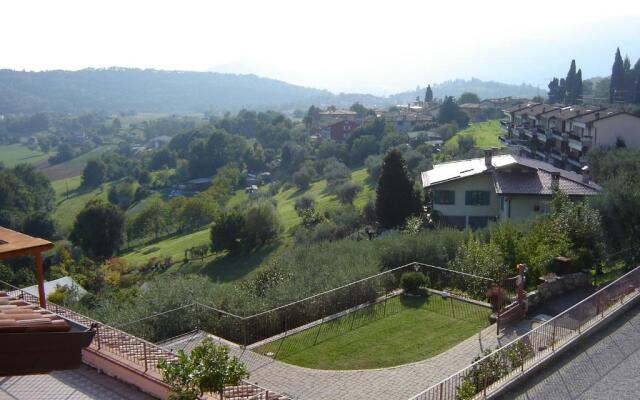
pixel 553 339
pixel 98 335
pixel 144 349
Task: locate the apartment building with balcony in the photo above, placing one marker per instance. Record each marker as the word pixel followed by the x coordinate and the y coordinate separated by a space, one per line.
pixel 563 135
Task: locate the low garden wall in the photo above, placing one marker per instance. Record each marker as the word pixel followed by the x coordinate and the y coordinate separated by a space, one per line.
pixel 556 286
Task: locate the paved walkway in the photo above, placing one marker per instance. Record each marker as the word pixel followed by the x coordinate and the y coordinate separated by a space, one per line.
pixel 77 384
pixel 605 366
pixel 399 382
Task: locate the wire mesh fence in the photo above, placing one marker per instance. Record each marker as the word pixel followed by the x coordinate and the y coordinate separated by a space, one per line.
pixel 365 299
pixel 493 370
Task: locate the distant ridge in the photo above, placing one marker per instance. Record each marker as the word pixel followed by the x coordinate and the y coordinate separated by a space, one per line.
pixel 116 89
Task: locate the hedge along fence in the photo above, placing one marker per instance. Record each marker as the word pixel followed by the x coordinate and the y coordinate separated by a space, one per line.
pixel 246 330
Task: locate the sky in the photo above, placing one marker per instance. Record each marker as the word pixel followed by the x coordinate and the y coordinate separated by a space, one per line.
pixel 378 47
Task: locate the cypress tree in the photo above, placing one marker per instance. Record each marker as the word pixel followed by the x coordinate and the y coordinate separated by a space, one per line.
pixel 636 96
pixel 428 96
pixel 396 199
pixel 570 84
pixel 616 89
pixel 578 87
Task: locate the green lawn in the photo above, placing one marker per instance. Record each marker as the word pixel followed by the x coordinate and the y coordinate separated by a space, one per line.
pixel 406 329
pixel 485 133
pixel 14 154
pixel 69 204
pixel 173 246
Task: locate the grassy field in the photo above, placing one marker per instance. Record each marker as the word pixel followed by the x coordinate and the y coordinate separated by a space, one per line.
pixel 486 135
pixel 175 246
pixel 70 203
pixel 73 167
pixel 14 154
pixel 404 330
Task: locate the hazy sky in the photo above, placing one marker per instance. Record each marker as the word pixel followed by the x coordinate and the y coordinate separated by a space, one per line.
pixel 367 46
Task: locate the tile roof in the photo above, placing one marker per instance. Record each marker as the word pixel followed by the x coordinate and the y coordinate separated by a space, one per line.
pixel 585 119
pixel 520 106
pixel 17 316
pixel 532 177
pixel 537 109
pixel 566 113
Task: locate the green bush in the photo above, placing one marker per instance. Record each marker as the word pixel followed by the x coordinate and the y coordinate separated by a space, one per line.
pixel 411 282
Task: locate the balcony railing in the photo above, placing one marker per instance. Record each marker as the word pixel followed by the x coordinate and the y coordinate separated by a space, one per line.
pixel 134 352
pixel 540 344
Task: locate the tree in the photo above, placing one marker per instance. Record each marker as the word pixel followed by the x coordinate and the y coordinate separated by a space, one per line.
pixel 93 173
pixel 555 94
pixel 570 82
pixel 450 112
pixel 302 178
pixel 362 147
pixel 197 212
pixel 262 224
pixel 207 369
pixel 348 191
pixel 579 87
pixel 227 232
pixel 361 110
pixel 98 229
pixel 396 199
pixel 428 95
pixel 468 97
pixel 154 218
pixel 616 88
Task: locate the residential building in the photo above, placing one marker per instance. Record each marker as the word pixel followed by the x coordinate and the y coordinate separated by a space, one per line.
pixel 66 282
pixel 470 193
pixel 340 130
pixel 562 135
pixel 158 142
pixel 473 110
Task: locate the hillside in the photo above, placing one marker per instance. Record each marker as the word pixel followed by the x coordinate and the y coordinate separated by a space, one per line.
pixel 119 89
pixel 484 89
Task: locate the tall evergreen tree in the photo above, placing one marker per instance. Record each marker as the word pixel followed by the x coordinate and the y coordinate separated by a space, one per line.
pixel 570 83
pixel 562 91
pixel 428 96
pixel 396 199
pixel 629 80
pixel 636 95
pixel 616 88
pixel 578 87
pixel 554 91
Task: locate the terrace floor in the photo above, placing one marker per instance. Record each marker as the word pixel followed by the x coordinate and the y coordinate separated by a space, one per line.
pixel 78 384
pixel 399 382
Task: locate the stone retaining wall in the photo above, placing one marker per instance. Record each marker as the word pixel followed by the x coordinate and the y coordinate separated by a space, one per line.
pixel 556 286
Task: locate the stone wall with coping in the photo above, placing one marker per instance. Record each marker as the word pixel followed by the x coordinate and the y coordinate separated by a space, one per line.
pixel 556 286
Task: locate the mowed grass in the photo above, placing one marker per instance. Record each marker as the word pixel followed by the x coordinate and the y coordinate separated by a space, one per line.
pixel 14 154
pixel 485 133
pixel 69 202
pixel 404 330
pixel 74 167
pixel 173 247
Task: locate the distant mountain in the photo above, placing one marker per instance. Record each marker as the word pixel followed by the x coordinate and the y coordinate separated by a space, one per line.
pixel 484 89
pixel 119 89
pixel 122 89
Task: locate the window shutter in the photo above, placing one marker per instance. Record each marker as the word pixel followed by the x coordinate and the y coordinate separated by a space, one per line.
pixel 451 197
pixel 485 198
pixel 468 196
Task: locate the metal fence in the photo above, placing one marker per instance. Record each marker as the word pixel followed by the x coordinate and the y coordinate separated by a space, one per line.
pixel 288 318
pixel 134 351
pixel 493 370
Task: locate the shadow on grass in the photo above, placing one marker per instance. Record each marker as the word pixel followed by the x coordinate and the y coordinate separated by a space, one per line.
pixel 230 268
pixel 414 301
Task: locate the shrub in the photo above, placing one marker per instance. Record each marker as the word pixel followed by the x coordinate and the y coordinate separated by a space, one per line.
pixel 347 191
pixel 411 282
pixel 227 232
pixel 262 224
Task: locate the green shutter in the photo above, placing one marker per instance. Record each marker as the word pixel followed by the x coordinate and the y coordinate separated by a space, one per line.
pixel 486 198
pixel 451 197
pixel 468 196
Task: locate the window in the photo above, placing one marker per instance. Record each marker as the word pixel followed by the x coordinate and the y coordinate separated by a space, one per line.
pixel 476 198
pixel 501 203
pixel 444 197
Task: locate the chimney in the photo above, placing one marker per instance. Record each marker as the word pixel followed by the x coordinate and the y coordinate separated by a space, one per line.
pixel 597 115
pixel 555 180
pixel 488 155
pixel 585 174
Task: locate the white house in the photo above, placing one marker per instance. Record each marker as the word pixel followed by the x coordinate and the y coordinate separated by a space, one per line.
pixel 51 286
pixel 470 193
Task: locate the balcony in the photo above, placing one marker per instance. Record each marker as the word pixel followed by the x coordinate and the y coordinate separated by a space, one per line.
pixel 555 154
pixel 575 144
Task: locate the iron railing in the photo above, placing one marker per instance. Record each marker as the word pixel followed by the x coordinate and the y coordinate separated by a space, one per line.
pixel 137 353
pixel 489 373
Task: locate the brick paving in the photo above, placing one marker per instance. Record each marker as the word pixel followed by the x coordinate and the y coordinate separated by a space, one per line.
pixel 78 384
pixel 605 365
pixel 399 382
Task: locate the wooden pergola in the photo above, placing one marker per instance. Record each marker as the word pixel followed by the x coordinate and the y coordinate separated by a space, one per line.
pixel 15 244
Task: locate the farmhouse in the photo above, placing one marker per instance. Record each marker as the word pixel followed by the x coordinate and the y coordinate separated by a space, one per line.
pixel 470 193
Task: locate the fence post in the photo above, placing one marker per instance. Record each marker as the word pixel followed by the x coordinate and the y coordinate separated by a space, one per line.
pixel 98 335
pixel 453 312
pixel 244 332
pixel 553 339
pixel 144 349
